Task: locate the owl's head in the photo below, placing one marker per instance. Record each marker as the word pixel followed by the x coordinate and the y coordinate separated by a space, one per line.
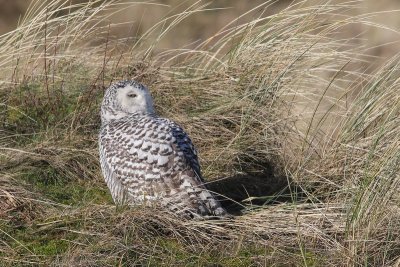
pixel 125 98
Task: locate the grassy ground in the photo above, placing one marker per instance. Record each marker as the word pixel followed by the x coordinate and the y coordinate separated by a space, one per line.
pixel 290 125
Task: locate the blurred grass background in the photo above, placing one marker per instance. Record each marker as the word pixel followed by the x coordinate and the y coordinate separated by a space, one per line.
pixel 135 20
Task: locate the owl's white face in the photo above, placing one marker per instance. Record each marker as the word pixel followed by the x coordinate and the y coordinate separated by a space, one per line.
pixel 132 100
pixel 126 98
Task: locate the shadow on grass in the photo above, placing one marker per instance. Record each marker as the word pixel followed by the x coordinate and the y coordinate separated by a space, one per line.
pixel 250 190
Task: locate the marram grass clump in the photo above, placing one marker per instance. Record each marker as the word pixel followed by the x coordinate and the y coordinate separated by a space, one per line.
pixel 304 144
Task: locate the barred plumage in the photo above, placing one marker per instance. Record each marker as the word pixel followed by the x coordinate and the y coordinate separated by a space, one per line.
pixel 149 160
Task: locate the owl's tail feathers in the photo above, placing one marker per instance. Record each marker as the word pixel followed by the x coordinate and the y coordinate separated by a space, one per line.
pixel 198 205
pixel 194 199
pixel 210 205
pixel 221 212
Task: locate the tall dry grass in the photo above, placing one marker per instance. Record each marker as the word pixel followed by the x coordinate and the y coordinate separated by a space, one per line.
pixel 279 98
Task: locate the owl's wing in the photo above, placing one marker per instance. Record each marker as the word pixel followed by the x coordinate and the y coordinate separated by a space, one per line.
pixel 184 143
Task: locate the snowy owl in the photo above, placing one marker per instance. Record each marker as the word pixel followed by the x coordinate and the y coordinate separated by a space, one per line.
pixel 148 160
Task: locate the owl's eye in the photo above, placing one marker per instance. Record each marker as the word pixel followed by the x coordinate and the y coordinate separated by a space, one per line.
pixel 132 95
